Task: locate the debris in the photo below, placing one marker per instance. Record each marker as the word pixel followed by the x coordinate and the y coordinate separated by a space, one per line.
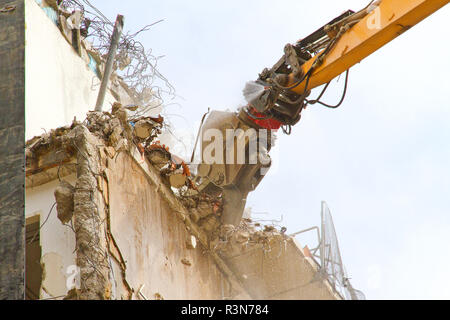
pixel 242 236
pixel 158 296
pixel 216 206
pixel 74 21
pixel 232 240
pixel 157 145
pixel 307 252
pixel 191 185
pixel 177 180
pixel 186 262
pixel 124 62
pixel 193 214
pixel 140 148
pixel 116 133
pixel 64 201
pixel 210 223
pixel 143 128
pixel 205 208
pixel 120 112
pixel 158 120
pixel 186 171
pixel 53 4
pixel 132 107
pixel 226 231
pixel 159 157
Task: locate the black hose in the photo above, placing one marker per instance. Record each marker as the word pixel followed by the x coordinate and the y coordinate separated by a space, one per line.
pixel 323 91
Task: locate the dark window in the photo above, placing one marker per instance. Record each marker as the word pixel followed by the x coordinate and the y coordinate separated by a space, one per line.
pixel 33 269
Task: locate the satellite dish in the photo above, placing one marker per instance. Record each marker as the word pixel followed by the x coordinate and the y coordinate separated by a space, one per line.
pixel 330 258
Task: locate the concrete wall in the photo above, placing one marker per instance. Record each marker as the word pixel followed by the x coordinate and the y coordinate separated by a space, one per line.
pixel 153 240
pixel 59 84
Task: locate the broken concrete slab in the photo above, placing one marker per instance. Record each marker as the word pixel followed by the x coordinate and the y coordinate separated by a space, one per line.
pixel 64 201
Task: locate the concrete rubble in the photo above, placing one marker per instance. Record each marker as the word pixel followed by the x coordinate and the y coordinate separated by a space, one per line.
pixel 64 201
pixel 249 235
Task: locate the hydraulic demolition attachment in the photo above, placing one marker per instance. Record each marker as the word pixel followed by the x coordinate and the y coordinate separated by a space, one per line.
pixel 277 98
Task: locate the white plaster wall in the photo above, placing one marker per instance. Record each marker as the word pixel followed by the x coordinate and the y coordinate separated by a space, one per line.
pixel 58 83
pixel 57 241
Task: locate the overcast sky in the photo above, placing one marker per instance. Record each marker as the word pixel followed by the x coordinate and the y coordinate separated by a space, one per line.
pixel 380 161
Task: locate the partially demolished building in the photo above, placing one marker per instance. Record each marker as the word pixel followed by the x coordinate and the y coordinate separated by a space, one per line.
pixel 106 212
pixel 122 229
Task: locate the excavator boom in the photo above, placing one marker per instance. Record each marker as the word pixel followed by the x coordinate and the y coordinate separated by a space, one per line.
pixel 362 34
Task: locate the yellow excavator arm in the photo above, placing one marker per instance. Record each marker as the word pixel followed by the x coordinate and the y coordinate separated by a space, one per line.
pixel 280 93
pixel 359 35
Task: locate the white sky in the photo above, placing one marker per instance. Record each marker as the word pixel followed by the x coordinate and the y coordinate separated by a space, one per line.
pixel 381 161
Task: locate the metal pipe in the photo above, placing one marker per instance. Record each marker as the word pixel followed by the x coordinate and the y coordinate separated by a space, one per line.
pixel 118 26
pixel 305 230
